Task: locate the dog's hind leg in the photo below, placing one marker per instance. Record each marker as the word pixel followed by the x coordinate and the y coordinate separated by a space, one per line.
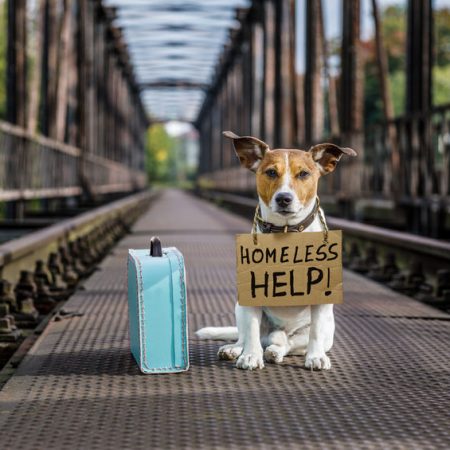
pixel 276 346
pixel 299 342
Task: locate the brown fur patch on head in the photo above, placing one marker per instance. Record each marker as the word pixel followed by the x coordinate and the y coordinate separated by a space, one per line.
pixel 298 161
pixel 305 188
pixel 265 185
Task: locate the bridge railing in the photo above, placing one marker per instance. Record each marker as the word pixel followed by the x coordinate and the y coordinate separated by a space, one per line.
pixel 405 159
pixel 414 165
pixel 33 166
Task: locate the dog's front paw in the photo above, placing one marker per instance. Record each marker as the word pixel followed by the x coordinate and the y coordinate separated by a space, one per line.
pixel 317 361
pixel 229 352
pixel 273 354
pixel 250 361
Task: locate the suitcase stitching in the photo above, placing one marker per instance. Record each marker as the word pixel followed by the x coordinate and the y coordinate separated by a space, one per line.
pixel 183 303
pixel 139 286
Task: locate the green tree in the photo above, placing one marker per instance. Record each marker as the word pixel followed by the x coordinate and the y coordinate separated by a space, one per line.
pixel 441 69
pixel 397 81
pixel 441 85
pixel 394 36
pixel 161 160
pixel 372 98
pixel 442 37
pixel 393 23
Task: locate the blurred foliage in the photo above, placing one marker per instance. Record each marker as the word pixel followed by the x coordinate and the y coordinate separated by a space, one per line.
pixel 441 85
pixel 393 23
pixel 3 38
pixel 394 35
pixel 441 69
pixel 442 37
pixel 161 161
pixel 397 83
pixel 166 160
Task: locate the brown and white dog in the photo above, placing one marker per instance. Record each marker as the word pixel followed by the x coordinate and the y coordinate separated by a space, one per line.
pixel 286 182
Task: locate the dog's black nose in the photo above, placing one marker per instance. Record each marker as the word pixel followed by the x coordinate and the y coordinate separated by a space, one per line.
pixel 284 199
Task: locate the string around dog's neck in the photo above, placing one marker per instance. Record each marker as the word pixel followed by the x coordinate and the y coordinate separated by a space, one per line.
pixel 267 227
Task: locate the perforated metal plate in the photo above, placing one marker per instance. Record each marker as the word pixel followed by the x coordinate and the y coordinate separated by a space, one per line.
pixel 389 387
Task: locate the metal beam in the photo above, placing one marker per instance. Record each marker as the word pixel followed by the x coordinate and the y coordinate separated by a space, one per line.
pixel 419 56
pixel 287 84
pixel 269 72
pixel 351 104
pixel 16 63
pixel 313 93
pixel 173 84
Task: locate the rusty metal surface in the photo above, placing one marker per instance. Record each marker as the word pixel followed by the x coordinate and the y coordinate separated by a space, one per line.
pixel 79 387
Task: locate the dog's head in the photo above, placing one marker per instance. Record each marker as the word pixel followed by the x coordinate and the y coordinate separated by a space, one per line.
pixel 286 179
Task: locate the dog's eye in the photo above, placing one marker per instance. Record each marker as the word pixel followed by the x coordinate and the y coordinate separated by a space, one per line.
pixel 272 173
pixel 303 174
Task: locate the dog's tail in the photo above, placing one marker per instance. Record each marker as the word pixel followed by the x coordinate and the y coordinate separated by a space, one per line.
pixel 218 333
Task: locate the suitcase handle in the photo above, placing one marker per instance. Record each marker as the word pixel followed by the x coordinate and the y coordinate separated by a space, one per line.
pixel 155 246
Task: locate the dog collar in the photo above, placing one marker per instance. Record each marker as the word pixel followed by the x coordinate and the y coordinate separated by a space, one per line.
pixel 267 227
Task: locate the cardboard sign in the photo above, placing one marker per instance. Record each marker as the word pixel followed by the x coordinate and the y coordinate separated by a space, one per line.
pixel 289 269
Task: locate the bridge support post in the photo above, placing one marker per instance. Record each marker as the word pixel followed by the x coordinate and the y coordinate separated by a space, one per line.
pixel 49 68
pixel 351 100
pixel 419 56
pixel 16 92
pixel 418 105
pixel 351 72
pixel 16 63
pixel 257 42
pixel 313 90
pixel 284 67
pixel 269 72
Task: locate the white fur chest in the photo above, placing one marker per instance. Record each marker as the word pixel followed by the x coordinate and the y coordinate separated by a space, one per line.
pixel 292 318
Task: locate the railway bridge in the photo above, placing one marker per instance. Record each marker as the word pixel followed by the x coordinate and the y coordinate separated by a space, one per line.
pixel 82 83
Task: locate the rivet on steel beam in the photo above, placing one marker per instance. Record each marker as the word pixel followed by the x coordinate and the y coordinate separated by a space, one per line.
pixel 7 295
pixel 41 273
pixel 45 299
pixel 77 264
pixel 443 282
pixel 8 329
pixel 56 271
pixel 26 292
pixel 70 276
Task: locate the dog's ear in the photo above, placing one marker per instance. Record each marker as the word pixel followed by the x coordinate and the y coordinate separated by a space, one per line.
pixel 326 156
pixel 249 150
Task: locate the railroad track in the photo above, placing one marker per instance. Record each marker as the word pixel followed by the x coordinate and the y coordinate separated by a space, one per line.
pixel 413 265
pixel 40 270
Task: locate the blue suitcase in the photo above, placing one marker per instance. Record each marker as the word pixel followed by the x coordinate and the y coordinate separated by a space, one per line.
pixel 157 309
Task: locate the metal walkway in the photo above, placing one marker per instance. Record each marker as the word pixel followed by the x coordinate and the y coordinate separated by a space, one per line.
pixel 80 389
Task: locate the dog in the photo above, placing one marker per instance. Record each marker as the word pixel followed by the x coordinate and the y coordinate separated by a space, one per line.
pixel 286 182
